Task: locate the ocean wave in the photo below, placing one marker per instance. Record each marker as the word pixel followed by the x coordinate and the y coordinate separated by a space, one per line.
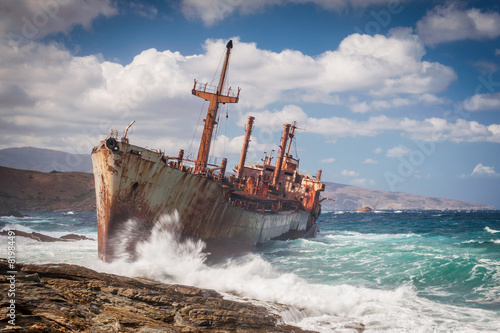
pixel 20 227
pixel 330 304
pixel 491 231
pixel 367 236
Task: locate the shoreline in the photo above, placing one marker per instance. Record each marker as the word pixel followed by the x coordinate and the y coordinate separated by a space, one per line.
pixel 62 297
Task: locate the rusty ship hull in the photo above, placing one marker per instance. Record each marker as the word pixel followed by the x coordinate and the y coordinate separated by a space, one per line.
pixel 134 183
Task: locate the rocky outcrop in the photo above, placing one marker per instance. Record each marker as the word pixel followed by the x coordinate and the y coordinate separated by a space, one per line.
pixel 44 238
pixel 364 210
pixel 70 298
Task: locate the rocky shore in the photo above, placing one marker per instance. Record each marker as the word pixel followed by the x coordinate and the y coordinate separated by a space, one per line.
pixel 70 298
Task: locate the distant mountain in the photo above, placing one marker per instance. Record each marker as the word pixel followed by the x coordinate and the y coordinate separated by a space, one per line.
pixel 44 160
pixel 350 198
pixel 56 191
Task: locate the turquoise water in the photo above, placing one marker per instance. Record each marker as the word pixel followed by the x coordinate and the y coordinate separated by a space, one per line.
pixel 448 257
pixel 415 271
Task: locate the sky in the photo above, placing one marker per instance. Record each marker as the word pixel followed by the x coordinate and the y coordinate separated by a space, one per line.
pixel 399 96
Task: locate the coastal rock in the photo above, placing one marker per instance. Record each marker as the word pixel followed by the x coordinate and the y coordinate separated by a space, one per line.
pixel 364 210
pixel 63 297
pixel 45 238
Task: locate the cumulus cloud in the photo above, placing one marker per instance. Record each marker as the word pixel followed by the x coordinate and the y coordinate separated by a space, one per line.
pixel 398 151
pixel 450 23
pixel 484 171
pixel 370 161
pixel 482 102
pixel 48 90
pixel 381 104
pixel 430 129
pixel 349 173
pixel 26 20
pixel 362 182
pixel 328 160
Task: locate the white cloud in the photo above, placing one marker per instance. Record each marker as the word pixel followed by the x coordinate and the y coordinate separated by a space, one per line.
pixel 430 129
pixel 328 160
pixel 482 102
pixel 377 150
pixel 451 23
pixel 26 20
pixel 481 171
pixel 398 151
pixel 48 90
pixel 360 107
pixel 362 182
pixel 394 103
pixel 349 173
pixel 370 161
pixel 484 171
pixel 497 52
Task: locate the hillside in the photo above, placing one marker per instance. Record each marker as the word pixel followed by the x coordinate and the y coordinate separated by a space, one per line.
pixel 39 191
pixel 352 198
pixel 44 160
pixel 25 190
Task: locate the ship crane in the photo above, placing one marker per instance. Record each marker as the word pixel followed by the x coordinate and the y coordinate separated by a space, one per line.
pixel 214 98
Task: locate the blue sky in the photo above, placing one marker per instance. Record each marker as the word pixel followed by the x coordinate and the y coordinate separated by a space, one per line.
pixel 391 95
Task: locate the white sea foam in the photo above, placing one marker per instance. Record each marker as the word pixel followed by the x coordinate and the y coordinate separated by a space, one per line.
pixel 492 231
pixel 17 227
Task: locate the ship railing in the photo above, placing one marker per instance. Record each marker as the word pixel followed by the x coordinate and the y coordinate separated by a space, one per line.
pixel 265 207
pixel 305 173
pixel 205 87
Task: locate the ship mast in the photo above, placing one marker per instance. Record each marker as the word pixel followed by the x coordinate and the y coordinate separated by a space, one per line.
pixel 210 121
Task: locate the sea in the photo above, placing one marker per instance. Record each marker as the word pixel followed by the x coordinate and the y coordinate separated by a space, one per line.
pixel 383 271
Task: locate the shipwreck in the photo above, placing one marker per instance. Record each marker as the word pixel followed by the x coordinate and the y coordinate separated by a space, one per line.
pixel 260 202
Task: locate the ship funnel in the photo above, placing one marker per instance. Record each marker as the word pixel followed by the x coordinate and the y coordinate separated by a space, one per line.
pixel 244 149
pixel 279 161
